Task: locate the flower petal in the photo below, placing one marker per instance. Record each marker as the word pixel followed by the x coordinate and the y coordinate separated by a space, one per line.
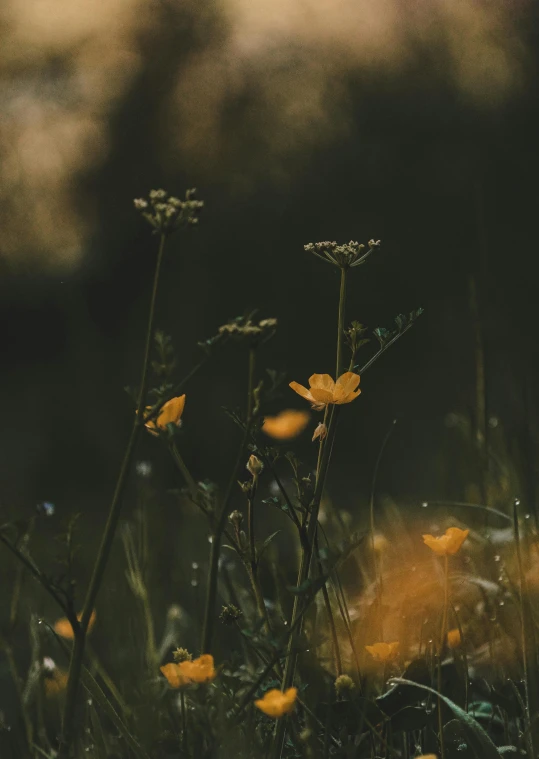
pixel 347 383
pixel 301 390
pixel 322 382
pixel 321 396
pixel 286 425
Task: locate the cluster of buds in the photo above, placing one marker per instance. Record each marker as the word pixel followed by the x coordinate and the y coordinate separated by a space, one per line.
pixel 344 685
pixel 244 327
pixel 166 213
pixel 230 614
pixel 181 654
pixel 344 256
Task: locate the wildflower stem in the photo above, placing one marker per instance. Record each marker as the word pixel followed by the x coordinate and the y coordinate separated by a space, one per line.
pixel 324 457
pixel 443 636
pixel 340 322
pixel 377 571
pixel 75 667
pixel 211 593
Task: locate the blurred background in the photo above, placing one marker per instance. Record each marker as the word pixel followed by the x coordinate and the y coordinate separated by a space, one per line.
pixel 413 122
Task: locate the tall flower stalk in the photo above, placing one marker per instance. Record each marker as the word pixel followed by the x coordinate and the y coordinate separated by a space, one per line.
pixel 344 257
pixel 165 215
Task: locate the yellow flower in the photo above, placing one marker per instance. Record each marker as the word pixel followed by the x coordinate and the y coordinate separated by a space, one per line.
pixel 448 544
pixel 170 413
pixel 276 703
pixel 55 682
pixel 427 756
pixel 63 627
pixel 324 391
pixel 383 652
pixel 200 670
pixel 286 425
pixel 453 638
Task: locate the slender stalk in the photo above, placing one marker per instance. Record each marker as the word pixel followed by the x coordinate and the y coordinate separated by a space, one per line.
pixel 443 636
pixel 75 667
pixel 253 560
pixel 211 593
pixel 324 456
pixel 340 322
pixel 528 640
pixel 377 571
pixel 329 612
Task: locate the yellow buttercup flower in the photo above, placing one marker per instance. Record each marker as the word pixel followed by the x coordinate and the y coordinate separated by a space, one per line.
pixel 323 390
pixel 276 703
pixel 170 413
pixel 199 670
pixel 286 425
pixel 384 652
pixel 453 638
pixel 448 544
pixel 55 682
pixel 63 627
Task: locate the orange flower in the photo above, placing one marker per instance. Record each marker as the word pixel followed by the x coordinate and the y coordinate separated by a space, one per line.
pixel 453 638
pixel 200 670
pixel 286 425
pixel 63 627
pixel 170 413
pixel 324 391
pixel 383 652
pixel 427 756
pixel 276 703
pixel 448 544
pixel 55 682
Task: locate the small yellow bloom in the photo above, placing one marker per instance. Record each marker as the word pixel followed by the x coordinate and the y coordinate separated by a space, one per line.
pixel 200 670
pixel 384 652
pixel 55 682
pixel 276 703
pixel 63 627
pixel 448 544
pixel 427 756
pixel 286 425
pixel 323 390
pixel 453 638
pixel 170 413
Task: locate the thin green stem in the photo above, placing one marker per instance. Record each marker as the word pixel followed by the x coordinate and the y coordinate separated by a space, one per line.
pixel 75 667
pixel 443 637
pixel 340 323
pixel 324 457
pixel 211 592
pixel 377 571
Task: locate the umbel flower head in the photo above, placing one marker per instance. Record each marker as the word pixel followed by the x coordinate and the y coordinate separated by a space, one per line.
pixel 323 390
pixel 383 652
pixel 448 544
pixel 275 703
pixel 344 256
pixel 170 413
pixel 185 672
pixel 286 425
pixel 166 213
pixel 62 627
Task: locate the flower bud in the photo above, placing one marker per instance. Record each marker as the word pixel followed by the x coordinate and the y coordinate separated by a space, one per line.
pixel 254 466
pixel 344 685
pixel 320 432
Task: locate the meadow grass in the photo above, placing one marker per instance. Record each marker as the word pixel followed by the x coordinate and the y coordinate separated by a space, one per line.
pixel 301 634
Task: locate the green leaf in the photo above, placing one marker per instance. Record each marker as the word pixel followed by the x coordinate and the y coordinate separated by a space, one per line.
pixel 266 543
pixel 410 718
pixel 475 735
